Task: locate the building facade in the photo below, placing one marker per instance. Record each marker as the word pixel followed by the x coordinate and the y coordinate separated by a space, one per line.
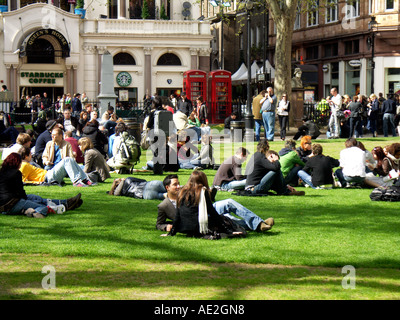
pixel 333 44
pixel 45 46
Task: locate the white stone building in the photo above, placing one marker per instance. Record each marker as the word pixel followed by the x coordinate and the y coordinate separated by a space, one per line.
pixel 46 47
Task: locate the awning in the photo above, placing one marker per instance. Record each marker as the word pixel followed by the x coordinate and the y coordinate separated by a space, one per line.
pixel 254 70
pixel 269 68
pixel 239 72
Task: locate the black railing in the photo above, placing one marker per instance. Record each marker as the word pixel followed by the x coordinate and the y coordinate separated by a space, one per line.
pixel 319 113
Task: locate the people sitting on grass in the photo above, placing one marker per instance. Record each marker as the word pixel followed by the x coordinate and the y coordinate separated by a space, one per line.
pixel 78 156
pixel 138 188
pixel 263 172
pixel 308 128
pixel 42 140
pixel 229 175
pixel 99 139
pixel 67 167
pixel 386 172
pixel 317 172
pixel 204 159
pixel 95 165
pixel 56 149
pixel 15 201
pixel 290 162
pixel 228 208
pixel 352 165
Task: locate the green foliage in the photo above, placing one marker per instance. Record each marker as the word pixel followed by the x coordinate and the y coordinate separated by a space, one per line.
pixel 80 4
pixel 145 10
pixel 163 13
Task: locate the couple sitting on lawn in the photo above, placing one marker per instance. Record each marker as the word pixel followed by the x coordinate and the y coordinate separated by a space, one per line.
pixel 190 211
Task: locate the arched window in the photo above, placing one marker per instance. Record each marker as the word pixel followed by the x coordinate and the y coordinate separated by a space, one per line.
pixel 41 51
pixel 169 59
pixel 123 59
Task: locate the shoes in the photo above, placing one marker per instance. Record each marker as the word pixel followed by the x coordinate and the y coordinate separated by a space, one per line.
pixel 270 221
pixel 264 226
pixel 38 215
pixel 73 202
pixel 79 183
pixel 29 212
pixel 197 168
pixel 296 193
pixel 89 183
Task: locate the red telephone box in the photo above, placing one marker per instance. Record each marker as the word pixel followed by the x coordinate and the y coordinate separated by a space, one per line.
pixel 219 95
pixel 195 84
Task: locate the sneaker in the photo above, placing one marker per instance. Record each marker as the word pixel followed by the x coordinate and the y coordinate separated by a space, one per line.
pixel 88 182
pixel 269 221
pixel 79 183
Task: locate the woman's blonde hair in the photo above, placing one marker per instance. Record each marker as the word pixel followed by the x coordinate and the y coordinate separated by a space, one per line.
pixel 85 143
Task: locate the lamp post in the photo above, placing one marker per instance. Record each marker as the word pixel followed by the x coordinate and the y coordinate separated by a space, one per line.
pixel 248 117
pixel 221 5
pixel 371 41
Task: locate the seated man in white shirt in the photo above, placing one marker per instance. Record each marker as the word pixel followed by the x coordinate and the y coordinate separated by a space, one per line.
pixel 352 165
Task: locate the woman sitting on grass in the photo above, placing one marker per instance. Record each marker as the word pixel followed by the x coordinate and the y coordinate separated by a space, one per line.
pixel 14 200
pixel 305 148
pixel 195 214
pixel 93 161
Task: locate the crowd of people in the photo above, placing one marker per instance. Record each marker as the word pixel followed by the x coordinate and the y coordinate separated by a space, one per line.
pixel 80 145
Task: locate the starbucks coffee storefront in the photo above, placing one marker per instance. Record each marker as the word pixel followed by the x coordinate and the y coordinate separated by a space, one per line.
pixel 32 82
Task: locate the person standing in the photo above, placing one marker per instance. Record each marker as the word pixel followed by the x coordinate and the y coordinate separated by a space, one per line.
pixel 258 121
pixel 355 118
pixel 389 112
pixel 185 105
pixel 76 105
pixel 202 112
pixel 268 109
pixel 283 115
pixel 335 103
pixel 372 110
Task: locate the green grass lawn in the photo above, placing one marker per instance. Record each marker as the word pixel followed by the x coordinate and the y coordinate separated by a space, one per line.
pixel 110 249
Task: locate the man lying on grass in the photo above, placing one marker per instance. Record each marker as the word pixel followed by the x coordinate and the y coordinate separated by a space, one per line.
pixel 167 209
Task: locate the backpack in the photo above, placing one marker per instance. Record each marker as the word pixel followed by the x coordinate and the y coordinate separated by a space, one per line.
pixel 129 149
pixel 390 194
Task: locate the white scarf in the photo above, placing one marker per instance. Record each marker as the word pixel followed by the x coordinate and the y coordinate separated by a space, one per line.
pixel 203 216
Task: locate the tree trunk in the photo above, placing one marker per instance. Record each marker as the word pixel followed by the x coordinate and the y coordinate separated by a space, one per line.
pixel 283 56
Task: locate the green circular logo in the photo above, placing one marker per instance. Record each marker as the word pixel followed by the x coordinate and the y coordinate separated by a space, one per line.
pixel 124 79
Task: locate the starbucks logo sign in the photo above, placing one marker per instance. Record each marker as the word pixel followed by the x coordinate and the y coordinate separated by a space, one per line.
pixel 124 79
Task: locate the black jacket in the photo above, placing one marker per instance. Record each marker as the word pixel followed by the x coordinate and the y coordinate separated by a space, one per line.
pixel 187 219
pixel 11 186
pixel 133 187
pixel 389 106
pixel 98 138
pixel 185 106
pixel 320 168
pixel 258 167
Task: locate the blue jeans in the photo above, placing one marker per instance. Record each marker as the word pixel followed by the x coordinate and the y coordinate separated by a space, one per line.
pixel 272 180
pixel 306 178
pixel 154 190
pixel 258 124
pixel 347 179
pixel 249 221
pixel 269 125
pixel 35 202
pixel 66 167
pixel 388 120
pixel 235 184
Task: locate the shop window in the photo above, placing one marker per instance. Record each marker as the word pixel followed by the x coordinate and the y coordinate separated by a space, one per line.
pixel 169 59
pixel 352 80
pixel 123 59
pixel 41 51
pixel 335 75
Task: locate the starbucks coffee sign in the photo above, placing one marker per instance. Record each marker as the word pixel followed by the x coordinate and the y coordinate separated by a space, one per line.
pixel 124 79
pixel 41 78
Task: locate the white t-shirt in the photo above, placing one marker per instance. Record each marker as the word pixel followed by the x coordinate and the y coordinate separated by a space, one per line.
pixel 353 162
pixel 337 103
